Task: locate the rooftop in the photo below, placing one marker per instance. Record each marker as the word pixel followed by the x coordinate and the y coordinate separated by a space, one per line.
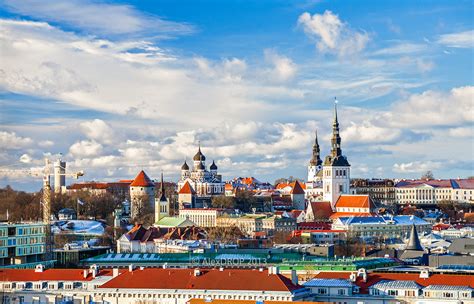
pixel 206 279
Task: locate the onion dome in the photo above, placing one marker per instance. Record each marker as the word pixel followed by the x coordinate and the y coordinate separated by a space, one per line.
pixel 200 166
pixel 213 166
pixel 185 166
pixel 199 156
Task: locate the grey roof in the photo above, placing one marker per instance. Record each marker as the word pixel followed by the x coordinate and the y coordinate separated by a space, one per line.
pixel 414 241
pixel 448 287
pixel 462 246
pixel 328 283
pixel 385 284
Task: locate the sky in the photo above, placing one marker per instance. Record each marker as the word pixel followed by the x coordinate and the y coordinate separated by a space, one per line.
pixel 120 86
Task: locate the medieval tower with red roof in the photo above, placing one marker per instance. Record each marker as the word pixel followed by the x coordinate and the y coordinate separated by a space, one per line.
pixel 142 195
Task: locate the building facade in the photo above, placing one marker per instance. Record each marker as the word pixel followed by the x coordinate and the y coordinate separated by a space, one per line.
pixel 22 244
pixel 433 191
pixel 380 190
pixel 203 217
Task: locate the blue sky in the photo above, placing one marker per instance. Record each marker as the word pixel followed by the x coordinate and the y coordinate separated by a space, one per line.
pixel 121 86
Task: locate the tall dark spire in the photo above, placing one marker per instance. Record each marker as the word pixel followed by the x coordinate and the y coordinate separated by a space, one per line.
pixel 162 190
pixel 316 159
pixel 336 139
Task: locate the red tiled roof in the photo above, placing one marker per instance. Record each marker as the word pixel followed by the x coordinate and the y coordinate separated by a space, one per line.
pixel 186 189
pixel 29 275
pixel 321 209
pixel 142 180
pixel 297 188
pixel 373 278
pixel 89 185
pixel 314 226
pixel 209 279
pixel 355 201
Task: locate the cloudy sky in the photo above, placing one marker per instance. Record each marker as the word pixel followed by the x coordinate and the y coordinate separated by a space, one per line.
pixel 121 86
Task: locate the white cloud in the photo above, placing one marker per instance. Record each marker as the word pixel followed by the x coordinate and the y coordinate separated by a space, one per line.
pixel 25 158
pixel 367 132
pixel 96 17
pixel 432 108
pixel 416 166
pixel 401 49
pixel 283 68
pixel 462 132
pixel 333 35
pixel 458 40
pixel 46 143
pixel 85 148
pixel 9 140
pixel 98 130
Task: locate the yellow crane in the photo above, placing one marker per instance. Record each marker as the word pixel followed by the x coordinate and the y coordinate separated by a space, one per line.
pixel 46 173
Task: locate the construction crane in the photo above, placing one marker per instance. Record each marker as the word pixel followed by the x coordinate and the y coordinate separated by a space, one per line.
pixel 46 174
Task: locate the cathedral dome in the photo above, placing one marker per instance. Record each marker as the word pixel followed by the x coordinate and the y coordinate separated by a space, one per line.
pixel 200 166
pixel 199 156
pixel 185 166
pixel 213 166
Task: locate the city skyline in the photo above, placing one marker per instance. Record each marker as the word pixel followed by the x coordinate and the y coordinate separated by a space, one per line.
pixel 119 87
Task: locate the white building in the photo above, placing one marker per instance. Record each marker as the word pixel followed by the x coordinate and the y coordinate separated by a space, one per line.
pixel 203 217
pixel 433 191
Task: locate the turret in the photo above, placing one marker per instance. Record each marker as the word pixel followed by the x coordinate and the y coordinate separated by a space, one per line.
pixel 213 168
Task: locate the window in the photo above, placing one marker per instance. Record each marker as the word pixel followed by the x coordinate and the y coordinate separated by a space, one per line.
pixel 322 291
pixel 341 292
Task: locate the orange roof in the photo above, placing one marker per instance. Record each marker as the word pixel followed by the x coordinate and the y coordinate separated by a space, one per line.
pixel 208 279
pixel 229 187
pixel 373 278
pixel 186 189
pixel 355 201
pixel 337 215
pixel 29 275
pixel 142 180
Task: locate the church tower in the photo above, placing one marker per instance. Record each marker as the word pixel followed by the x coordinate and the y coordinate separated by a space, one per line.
pixel 315 164
pixel 336 168
pixel 162 204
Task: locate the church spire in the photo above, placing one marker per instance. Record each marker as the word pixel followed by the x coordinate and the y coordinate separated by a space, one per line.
pixel 414 241
pixel 162 189
pixel 316 159
pixel 336 139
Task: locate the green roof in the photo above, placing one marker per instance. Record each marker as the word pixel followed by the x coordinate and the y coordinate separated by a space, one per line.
pixel 169 221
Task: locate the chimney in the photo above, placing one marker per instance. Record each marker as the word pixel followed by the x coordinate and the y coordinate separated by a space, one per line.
pixel 294 277
pixel 85 273
pixel 362 273
pixel 424 274
pixel 115 272
pixel 94 270
pixel 221 268
pixel 353 277
pixel 197 272
pixel 130 268
pixel 165 265
pixel 39 268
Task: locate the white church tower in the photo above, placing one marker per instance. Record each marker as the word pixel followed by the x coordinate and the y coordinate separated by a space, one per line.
pixel 336 168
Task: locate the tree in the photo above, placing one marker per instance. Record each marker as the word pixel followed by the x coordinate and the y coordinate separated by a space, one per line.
pixel 427 175
pixel 227 235
pixel 221 201
pixel 245 200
